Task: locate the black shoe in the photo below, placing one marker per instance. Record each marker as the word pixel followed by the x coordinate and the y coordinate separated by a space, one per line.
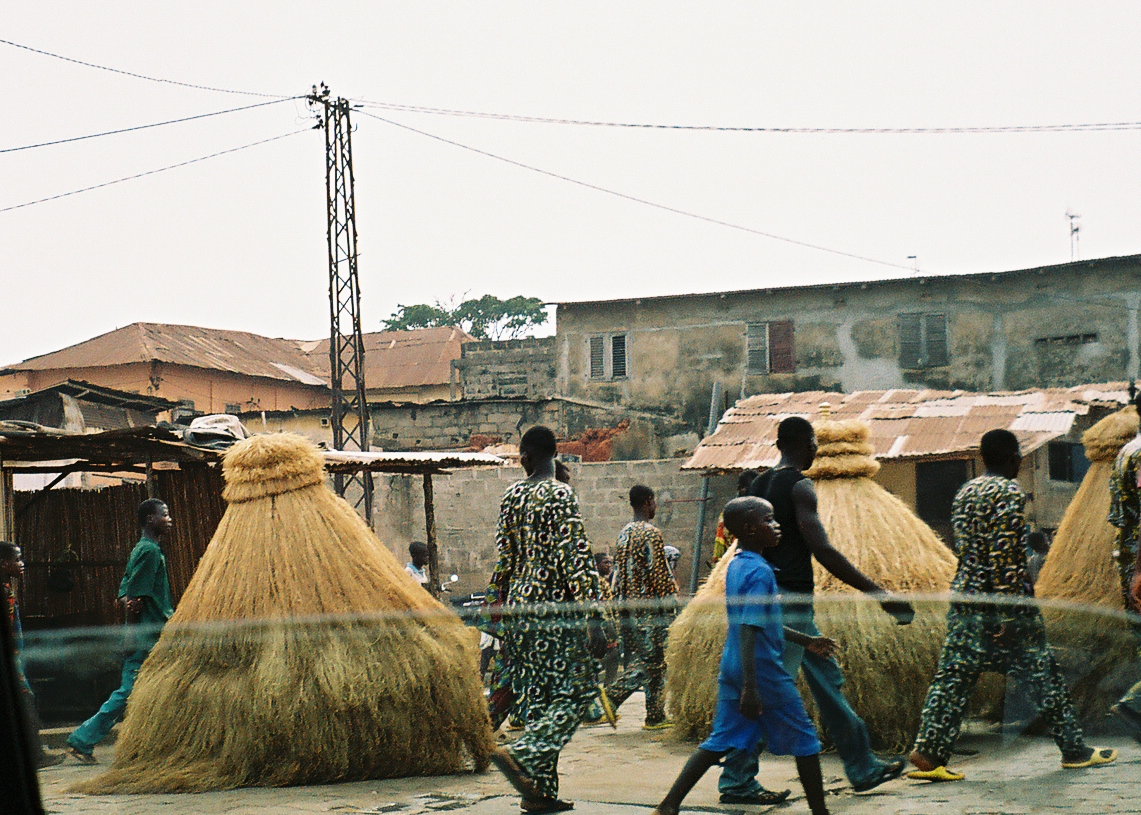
pixel 762 798
pixel 886 773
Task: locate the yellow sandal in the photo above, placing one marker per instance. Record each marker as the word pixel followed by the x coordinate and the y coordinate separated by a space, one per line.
pixel 1100 755
pixel 940 773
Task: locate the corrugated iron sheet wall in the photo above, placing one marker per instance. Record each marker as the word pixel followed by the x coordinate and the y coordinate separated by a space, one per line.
pixel 101 528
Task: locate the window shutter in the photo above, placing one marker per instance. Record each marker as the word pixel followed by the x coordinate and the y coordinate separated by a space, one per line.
pixel 597 358
pixel 757 348
pixel 618 356
pixel 936 339
pixel 910 341
pixel 782 352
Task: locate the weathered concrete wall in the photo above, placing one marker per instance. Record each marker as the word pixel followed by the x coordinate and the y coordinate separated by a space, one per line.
pixel 847 336
pixel 467 511
pixel 507 368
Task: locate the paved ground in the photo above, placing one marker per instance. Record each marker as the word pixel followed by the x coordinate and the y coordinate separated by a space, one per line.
pixel 624 772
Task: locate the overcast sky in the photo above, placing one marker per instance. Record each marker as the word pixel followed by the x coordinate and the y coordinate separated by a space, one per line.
pixel 239 241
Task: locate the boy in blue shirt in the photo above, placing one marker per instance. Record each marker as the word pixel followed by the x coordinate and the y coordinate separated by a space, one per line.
pixel 756 699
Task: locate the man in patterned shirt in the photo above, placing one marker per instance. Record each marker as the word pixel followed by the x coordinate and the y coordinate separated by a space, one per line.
pixel 643 581
pixel 548 585
pixel 1125 514
pixel 989 522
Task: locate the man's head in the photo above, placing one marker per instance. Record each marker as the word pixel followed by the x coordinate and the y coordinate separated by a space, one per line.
pixel 1001 453
pixel 643 502
pixel 796 441
pixel 538 446
pixel 11 560
pixel 603 563
pixel 745 481
pixel 751 520
pixel 418 551
pixel 154 517
pixel 1038 541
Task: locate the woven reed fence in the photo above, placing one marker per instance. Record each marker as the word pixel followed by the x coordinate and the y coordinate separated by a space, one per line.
pixel 87 535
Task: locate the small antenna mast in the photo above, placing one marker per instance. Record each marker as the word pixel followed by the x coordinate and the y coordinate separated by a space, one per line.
pixel 1075 229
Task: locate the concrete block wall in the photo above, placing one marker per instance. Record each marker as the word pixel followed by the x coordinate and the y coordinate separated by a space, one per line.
pixel 467 511
pixel 507 368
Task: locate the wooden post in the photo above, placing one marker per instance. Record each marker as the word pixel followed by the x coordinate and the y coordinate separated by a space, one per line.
pixel 716 409
pixel 7 506
pixel 150 478
pixel 430 532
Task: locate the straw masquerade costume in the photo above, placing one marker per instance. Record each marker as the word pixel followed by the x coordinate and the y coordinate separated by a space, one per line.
pixel 300 653
pixel 545 564
pixel 886 667
pixel 1094 647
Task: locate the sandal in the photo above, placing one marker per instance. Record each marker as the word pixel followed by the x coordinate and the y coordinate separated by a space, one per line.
pixel 889 771
pixel 940 773
pixel 80 756
pixel 542 806
pixel 608 711
pixel 1099 755
pixel 506 763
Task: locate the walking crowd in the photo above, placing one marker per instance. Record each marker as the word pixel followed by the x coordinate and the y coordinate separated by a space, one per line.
pixel 562 614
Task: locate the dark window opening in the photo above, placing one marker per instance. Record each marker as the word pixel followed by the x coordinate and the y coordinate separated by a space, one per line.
pixel 618 356
pixel 597 358
pixel 936 483
pixel 1067 339
pixel 1067 461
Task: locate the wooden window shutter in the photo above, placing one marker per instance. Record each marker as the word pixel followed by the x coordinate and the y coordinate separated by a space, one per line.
pixel 597 358
pixel 782 350
pixel 618 356
pixel 757 348
pixel 910 341
pixel 935 339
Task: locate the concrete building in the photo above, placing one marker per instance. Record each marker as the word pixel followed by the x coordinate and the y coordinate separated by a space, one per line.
pixel 1053 326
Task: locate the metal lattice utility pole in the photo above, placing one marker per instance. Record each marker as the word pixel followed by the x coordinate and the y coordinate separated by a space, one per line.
pixel 349 417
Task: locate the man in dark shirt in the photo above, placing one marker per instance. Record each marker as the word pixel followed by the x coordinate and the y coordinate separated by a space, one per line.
pixel 793 498
pixel 145 592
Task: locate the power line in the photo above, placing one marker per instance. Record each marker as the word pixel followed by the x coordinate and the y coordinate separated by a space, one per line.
pixel 153 172
pixel 558 120
pixel 143 127
pixel 139 76
pixel 636 199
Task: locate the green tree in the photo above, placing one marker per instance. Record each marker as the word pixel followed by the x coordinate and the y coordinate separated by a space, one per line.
pixel 487 317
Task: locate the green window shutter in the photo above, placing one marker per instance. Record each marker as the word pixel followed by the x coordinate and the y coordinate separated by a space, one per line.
pixel 910 341
pixel 618 356
pixel 757 348
pixel 935 340
pixel 597 358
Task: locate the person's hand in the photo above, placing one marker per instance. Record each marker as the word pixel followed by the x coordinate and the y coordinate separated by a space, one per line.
pixel 823 646
pixel 134 605
pixel 901 610
pixel 750 705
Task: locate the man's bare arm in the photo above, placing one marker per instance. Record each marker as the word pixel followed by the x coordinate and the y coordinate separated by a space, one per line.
pixel 832 559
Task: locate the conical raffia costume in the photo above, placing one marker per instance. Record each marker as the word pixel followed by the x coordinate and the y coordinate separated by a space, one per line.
pixel 1086 625
pixel 887 667
pixel 300 652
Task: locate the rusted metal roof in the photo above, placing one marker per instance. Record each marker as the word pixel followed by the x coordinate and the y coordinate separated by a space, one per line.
pixel 400 359
pixel 237 351
pixel 393 359
pixel 905 424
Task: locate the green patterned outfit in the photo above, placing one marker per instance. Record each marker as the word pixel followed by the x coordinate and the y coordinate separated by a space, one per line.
pixel 642 579
pixel 551 593
pixel 1125 515
pixel 989 523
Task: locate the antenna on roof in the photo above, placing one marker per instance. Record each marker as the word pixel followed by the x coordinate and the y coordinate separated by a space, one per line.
pixel 914 263
pixel 1075 228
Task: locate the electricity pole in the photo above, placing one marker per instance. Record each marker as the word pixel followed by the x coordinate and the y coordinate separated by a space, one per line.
pixel 349 415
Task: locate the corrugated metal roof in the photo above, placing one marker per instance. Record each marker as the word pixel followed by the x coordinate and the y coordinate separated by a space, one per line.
pixel 341 461
pixel 393 359
pixel 905 424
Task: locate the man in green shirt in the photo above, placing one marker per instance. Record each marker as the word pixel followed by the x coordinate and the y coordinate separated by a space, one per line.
pixel 145 592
